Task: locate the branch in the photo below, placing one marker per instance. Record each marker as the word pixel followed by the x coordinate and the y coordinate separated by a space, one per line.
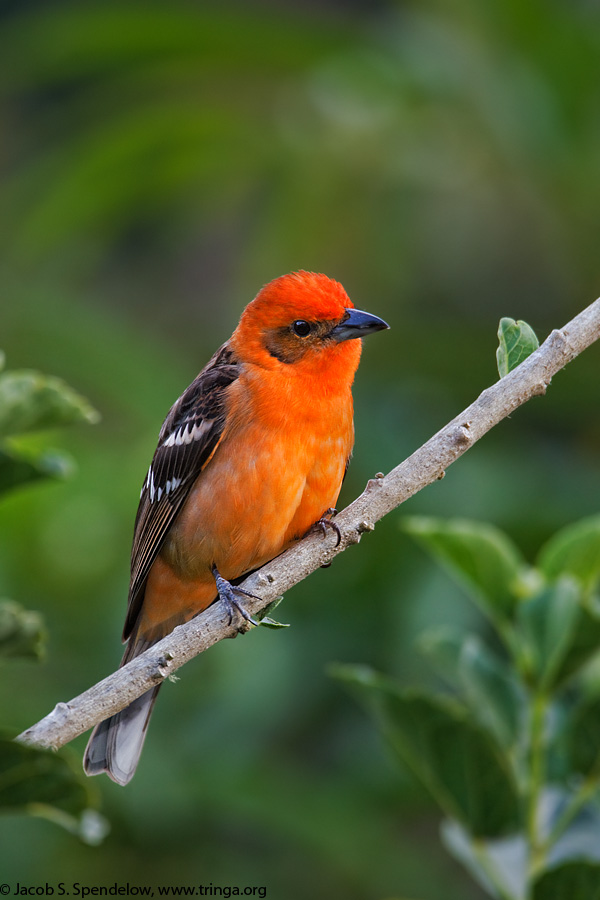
pixel 381 496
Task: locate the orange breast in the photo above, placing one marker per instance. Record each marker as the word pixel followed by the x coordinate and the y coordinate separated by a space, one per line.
pixel 278 467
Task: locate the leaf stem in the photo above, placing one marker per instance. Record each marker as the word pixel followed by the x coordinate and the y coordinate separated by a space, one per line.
pixel 537 772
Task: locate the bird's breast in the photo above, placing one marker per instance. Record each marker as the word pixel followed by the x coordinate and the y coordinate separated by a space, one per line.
pixel 278 467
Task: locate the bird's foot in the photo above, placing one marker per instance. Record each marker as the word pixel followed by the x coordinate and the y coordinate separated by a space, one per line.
pixel 323 524
pixel 227 595
pixel 326 522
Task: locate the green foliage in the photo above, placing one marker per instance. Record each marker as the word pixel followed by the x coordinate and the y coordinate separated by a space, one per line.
pixel 491 691
pixel 17 468
pixel 483 558
pixel 512 754
pixel 574 550
pixel 22 632
pixel 546 623
pixel 517 340
pixel 265 619
pixel 32 402
pixel 448 751
pixel 41 783
pixel 583 739
pixel 575 881
pixel 33 781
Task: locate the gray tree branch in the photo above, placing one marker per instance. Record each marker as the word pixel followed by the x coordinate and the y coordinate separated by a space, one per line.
pixel 381 495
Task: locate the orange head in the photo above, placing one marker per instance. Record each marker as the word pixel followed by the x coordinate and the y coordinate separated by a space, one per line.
pixel 304 320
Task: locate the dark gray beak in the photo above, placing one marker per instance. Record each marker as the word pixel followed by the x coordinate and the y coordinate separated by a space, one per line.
pixel 357 325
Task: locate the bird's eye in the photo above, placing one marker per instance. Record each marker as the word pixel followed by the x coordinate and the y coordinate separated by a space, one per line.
pixel 301 328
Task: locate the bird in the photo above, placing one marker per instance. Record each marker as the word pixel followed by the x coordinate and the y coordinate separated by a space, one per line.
pixel 249 458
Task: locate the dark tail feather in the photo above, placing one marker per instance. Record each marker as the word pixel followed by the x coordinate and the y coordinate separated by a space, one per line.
pixel 116 744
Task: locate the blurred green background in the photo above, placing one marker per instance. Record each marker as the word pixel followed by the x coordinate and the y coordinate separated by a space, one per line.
pixel 160 162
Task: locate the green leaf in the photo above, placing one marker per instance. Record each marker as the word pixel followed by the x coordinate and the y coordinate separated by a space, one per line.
pixel 517 340
pixel 482 557
pixel 492 692
pixel 22 632
pixel 574 550
pixel 42 783
pixel 442 646
pixel 583 739
pixel 18 469
pixel 455 759
pixel 265 619
pixel 571 881
pixel 468 665
pixel 31 401
pixel 548 623
pixel 584 644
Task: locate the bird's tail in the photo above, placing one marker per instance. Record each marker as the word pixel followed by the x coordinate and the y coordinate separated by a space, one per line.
pixel 116 744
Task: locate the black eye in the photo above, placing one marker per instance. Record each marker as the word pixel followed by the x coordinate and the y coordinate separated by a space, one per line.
pixel 301 328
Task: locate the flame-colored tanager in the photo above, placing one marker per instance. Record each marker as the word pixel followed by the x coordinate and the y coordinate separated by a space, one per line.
pixel 252 454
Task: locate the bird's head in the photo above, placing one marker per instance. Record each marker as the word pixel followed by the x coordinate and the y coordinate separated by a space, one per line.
pixel 303 319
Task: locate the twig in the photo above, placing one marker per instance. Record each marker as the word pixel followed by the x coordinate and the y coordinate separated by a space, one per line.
pixel 381 496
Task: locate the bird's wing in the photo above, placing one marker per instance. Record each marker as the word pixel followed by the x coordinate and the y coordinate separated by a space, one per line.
pixel 187 440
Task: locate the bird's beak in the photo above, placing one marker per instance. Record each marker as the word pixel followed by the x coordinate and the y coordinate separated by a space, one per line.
pixel 356 325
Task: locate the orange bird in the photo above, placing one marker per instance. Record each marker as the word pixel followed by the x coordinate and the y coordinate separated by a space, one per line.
pixel 249 458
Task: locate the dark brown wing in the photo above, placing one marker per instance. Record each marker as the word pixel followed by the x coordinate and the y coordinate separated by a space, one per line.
pixel 188 437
